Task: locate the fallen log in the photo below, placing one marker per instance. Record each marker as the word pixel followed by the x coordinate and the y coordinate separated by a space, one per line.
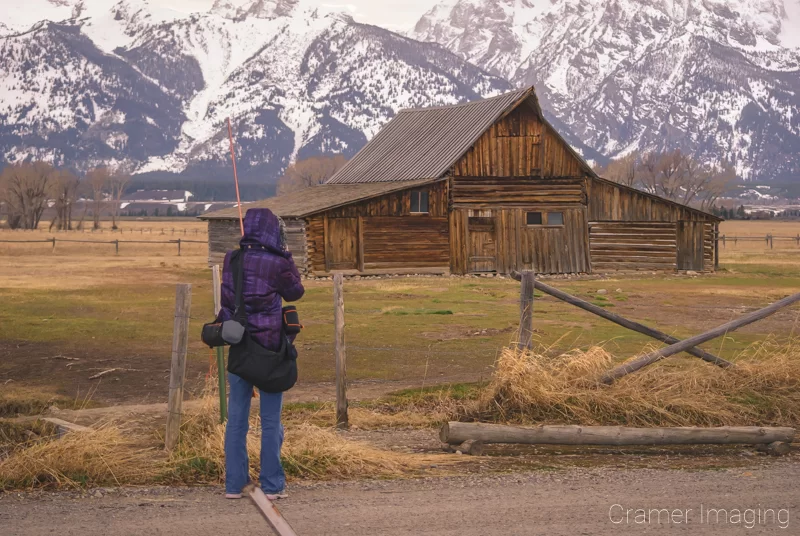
pixel 624 322
pixel 456 433
pixel 658 355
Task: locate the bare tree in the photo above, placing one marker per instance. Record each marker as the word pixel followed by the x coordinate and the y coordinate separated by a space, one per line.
pixel 709 182
pixel 64 192
pixel 310 172
pixel 680 177
pixel 623 170
pixel 117 182
pixel 97 181
pixel 25 188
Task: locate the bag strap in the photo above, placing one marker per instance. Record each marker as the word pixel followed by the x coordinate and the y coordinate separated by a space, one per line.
pixel 239 313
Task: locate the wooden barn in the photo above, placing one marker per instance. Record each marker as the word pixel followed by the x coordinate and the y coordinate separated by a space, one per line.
pixel 483 187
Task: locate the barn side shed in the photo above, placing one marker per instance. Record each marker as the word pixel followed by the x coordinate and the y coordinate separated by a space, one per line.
pixel 483 187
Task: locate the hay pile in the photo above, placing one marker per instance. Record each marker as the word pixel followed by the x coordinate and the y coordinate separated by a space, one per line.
pixel 538 387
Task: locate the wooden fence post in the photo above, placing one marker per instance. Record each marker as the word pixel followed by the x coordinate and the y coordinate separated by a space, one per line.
pixel 223 398
pixel 340 352
pixel 54 243
pixel 179 247
pixel 116 245
pixel 180 344
pixel 526 311
pixel 771 241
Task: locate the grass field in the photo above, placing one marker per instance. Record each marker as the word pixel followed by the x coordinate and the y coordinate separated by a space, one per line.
pixel 70 313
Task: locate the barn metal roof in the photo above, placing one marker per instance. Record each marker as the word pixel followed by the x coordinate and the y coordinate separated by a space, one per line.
pixel 317 199
pixel 423 143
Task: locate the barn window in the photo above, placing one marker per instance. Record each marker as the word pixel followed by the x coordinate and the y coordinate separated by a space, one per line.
pixel 419 201
pixel 534 218
pixel 555 218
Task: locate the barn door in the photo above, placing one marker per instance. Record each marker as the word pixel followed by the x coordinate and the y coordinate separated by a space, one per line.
pixel 341 243
pixel 690 245
pixel 482 245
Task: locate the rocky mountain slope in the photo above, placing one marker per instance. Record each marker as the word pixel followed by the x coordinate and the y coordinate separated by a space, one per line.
pixel 717 78
pixel 128 81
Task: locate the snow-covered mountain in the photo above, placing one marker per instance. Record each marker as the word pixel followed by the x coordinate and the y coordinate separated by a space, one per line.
pixel 106 80
pixel 718 78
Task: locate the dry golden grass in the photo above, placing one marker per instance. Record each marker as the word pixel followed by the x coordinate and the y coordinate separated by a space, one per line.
pixel 539 387
pixel 308 452
pixel 759 228
pixel 81 265
pixel 102 456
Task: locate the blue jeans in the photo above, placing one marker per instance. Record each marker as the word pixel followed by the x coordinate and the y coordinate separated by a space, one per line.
pixel 237 468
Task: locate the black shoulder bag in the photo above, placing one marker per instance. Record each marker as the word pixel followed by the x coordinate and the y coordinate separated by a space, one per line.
pixel 271 372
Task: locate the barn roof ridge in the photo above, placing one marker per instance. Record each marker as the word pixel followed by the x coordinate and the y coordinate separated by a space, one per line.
pixel 522 92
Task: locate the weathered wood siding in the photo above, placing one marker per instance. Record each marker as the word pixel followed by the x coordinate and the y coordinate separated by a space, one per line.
pixel 487 192
pixel 633 246
pixel 224 235
pixel 397 204
pixel 405 242
pixel 554 250
pixel 612 202
pixel 500 240
pixel 519 145
pixel 381 235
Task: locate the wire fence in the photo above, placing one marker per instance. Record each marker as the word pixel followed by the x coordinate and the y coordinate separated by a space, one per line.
pixel 52 241
pixel 769 239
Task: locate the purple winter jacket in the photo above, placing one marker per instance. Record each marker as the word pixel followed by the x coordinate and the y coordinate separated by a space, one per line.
pixel 268 276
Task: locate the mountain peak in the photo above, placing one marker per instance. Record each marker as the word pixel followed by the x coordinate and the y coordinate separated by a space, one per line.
pixel 714 78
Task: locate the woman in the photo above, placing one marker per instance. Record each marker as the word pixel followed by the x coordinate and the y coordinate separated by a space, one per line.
pixel 269 276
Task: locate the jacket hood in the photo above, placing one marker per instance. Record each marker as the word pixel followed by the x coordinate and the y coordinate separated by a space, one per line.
pixel 261 227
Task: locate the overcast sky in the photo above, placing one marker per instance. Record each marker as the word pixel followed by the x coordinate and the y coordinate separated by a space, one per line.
pixel 395 14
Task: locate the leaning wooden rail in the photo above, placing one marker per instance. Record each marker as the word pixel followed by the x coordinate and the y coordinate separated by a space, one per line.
pixel 624 322
pixel 658 355
pixel 455 433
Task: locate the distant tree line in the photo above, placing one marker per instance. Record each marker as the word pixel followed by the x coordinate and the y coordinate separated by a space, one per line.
pixel 27 189
pixel 731 213
pixel 673 175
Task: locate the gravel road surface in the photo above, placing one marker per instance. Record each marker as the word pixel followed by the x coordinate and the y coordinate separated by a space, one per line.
pixel 762 500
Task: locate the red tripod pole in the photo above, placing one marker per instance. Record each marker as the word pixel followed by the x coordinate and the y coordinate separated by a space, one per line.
pixel 238 198
pixel 236 177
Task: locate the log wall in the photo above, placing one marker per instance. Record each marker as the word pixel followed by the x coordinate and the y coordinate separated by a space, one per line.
pixel 487 192
pixel 223 236
pixel 633 246
pixel 381 234
pixel 405 242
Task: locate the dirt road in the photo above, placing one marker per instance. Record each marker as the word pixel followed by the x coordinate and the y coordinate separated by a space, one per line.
pixel 569 503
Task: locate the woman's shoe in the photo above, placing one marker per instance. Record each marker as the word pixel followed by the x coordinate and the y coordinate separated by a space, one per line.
pixel 233 495
pixel 275 496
